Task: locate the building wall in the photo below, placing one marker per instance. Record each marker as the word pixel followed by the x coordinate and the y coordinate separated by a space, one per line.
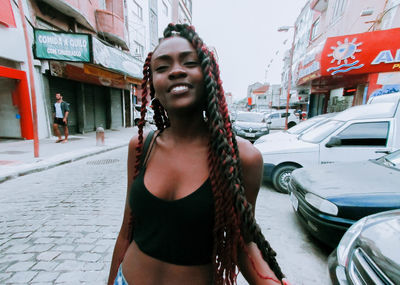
pixel 164 15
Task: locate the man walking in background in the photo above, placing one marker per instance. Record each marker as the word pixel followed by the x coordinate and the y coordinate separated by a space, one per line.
pixel 60 116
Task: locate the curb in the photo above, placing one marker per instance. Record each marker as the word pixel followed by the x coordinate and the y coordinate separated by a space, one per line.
pixel 54 162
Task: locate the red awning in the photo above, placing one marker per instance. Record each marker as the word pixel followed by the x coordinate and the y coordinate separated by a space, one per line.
pixel 7 14
pixel 371 52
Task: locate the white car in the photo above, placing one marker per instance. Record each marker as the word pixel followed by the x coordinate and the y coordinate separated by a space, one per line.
pixel 355 134
pixel 277 119
pixel 294 132
pixel 149 114
pixel 391 97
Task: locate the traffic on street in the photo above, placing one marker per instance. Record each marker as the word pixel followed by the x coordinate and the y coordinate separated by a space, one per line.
pixel 68 219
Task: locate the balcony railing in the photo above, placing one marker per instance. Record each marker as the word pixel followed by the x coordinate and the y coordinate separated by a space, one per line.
pixel 111 27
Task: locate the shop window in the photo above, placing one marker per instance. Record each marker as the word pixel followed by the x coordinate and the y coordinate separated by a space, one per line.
pixel 349 91
pixel 365 134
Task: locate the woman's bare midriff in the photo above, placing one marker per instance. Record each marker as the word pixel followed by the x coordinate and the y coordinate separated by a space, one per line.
pixel 141 269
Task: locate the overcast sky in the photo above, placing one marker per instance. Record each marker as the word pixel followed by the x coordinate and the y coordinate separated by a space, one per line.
pixel 244 33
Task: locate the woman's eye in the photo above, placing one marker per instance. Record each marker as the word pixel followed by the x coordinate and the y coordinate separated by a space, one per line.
pixel 191 63
pixel 161 68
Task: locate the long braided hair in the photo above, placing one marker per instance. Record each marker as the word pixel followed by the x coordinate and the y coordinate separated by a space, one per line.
pixel 234 219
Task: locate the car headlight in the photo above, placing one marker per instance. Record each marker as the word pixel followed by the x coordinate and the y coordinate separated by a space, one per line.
pixel 322 204
pixel 347 240
pixel 237 128
pixel 264 129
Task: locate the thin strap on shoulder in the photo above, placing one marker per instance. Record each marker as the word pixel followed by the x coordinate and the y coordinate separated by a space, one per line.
pixel 147 147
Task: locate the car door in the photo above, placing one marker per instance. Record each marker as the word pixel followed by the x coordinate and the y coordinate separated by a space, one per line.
pixel 274 119
pixel 359 140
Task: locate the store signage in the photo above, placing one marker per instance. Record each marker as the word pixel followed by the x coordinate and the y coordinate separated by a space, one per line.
pixel 377 51
pixel 62 46
pixel 309 68
pixel 115 59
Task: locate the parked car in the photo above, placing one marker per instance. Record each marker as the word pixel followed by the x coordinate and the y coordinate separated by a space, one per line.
pixel 329 199
pixel 392 97
pixel 277 119
pixel 250 125
pixel 149 114
pixel 368 252
pixel 355 134
pixel 294 132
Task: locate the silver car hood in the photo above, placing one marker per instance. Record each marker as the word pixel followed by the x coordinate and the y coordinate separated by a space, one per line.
pixel 381 241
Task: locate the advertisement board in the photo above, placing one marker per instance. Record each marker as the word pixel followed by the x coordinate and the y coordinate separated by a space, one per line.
pixel 62 46
pixel 371 52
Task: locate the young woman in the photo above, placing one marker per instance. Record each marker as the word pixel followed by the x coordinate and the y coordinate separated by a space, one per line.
pixel 192 187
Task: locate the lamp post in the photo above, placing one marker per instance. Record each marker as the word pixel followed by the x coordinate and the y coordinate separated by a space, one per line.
pixel 285 29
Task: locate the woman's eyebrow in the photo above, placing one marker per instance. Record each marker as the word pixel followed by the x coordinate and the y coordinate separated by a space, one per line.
pixel 181 55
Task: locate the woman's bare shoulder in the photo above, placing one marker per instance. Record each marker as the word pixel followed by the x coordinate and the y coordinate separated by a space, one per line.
pixel 250 156
pixel 134 141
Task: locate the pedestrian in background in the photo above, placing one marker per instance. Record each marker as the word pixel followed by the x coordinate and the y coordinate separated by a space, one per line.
pixel 192 185
pixel 60 118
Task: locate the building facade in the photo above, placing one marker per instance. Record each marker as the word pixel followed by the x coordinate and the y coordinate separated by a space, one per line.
pixel 345 52
pixel 92 52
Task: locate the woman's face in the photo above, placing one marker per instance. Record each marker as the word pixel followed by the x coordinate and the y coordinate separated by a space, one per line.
pixel 177 76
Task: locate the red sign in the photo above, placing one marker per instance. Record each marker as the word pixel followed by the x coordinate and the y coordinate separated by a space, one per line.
pixel 377 51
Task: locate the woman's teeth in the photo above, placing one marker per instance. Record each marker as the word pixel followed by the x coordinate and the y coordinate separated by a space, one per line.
pixel 179 89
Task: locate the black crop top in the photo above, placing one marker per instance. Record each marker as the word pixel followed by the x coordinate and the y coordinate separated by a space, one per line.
pixel 177 231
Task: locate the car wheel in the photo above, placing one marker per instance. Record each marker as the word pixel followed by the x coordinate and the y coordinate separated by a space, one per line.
pixel 281 177
pixel 291 124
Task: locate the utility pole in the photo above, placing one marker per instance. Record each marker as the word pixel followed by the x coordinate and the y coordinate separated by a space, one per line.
pixel 31 81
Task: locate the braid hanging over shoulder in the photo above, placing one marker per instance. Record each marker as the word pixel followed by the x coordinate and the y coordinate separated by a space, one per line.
pixel 233 214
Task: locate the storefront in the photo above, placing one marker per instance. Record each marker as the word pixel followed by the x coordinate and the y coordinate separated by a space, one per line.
pixel 93 78
pixel 350 69
pixel 15 103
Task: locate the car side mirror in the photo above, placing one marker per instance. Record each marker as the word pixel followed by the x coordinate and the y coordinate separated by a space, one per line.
pixel 334 141
pixel 269 122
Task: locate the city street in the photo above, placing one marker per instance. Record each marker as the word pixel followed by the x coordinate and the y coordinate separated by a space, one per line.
pixel 59 226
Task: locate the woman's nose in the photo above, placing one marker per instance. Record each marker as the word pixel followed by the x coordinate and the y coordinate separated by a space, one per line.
pixel 177 71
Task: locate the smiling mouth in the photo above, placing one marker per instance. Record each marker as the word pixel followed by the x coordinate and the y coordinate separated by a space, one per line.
pixel 179 89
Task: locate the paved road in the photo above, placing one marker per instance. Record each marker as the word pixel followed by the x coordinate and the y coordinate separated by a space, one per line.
pixel 59 226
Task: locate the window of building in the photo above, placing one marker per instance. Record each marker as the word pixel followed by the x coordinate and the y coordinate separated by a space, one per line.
pixel 165 8
pixel 365 134
pixel 137 10
pixel 338 9
pixel 138 50
pixel 102 4
pixel 390 12
pixel 188 4
pixel 314 29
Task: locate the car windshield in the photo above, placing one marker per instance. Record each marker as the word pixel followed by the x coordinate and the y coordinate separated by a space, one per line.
pixel 322 131
pixel 299 128
pixel 392 159
pixel 250 117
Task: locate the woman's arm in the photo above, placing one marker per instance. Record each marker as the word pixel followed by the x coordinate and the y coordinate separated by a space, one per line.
pixel 123 241
pixel 250 260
